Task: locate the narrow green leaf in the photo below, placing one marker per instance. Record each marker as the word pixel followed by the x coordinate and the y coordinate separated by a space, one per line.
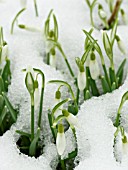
pixel 23 133
pixel 113 86
pixel 87 95
pixel 93 86
pixel 2 89
pixel 113 32
pixel 1 103
pixel 105 85
pixel 58 106
pixel 10 107
pixel 112 76
pixel 3 114
pixel 32 148
pixel 121 68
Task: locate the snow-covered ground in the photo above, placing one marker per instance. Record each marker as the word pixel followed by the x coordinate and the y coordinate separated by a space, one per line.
pixel 95 137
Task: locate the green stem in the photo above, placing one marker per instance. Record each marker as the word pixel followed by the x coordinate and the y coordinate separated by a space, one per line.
pixel 91 17
pixel 41 107
pixel 36 9
pixel 32 117
pixel 69 67
pixel 48 58
pixel 62 164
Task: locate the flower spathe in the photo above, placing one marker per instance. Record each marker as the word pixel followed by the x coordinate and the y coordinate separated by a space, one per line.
pixel 81 80
pixel 60 140
pixel 94 69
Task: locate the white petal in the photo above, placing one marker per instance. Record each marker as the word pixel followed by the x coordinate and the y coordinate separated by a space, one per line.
pixel 4 53
pixel 125 148
pixel 94 69
pixel 72 120
pixel 53 61
pixel 23 3
pixel 81 80
pixel 33 29
pixel 102 14
pixel 36 98
pixel 60 143
pixel 49 46
pixel 121 46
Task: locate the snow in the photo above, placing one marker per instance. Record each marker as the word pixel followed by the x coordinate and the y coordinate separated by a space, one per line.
pixel 96 134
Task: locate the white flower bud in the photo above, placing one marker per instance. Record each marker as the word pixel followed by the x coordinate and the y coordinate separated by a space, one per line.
pixel 121 46
pixel 94 69
pixel 125 148
pixel 23 3
pixel 60 140
pixel 81 80
pixel 4 53
pixel 32 29
pixel 49 46
pixel 102 14
pixel 52 61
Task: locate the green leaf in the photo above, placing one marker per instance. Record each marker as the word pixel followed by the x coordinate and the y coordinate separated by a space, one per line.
pixel 87 41
pixel 1 103
pixel 85 55
pixel 2 89
pixel 55 27
pixel 58 106
pixel 105 85
pixel 107 46
pixel 54 131
pixel 120 70
pixel 96 45
pixel 10 107
pixel 112 76
pixel 23 133
pixel 87 95
pixel 6 75
pixel 113 32
pixel 2 116
pixel 32 148
pixel 113 86
pixel 93 86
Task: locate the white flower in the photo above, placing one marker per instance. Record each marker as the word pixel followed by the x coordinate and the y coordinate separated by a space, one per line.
pixel 73 121
pixel 4 53
pixel 30 69
pixel 36 98
pixel 94 69
pixel 102 14
pixel 60 140
pixel 23 3
pixel 81 80
pixel 121 46
pixel 52 61
pixel 49 46
pixel 125 148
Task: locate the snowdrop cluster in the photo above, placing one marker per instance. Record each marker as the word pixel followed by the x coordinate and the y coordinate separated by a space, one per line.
pixel 32 85
pixel 115 9
pixel 7 113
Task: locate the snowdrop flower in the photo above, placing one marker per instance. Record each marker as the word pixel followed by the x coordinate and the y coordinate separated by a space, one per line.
pixel 23 3
pixel 36 95
pixel 94 67
pixel 120 44
pixel 32 29
pixel 4 53
pixel 102 14
pixel 60 140
pixel 81 79
pixel 49 46
pixel 73 121
pixel 52 61
pixel 29 81
pixel 124 146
